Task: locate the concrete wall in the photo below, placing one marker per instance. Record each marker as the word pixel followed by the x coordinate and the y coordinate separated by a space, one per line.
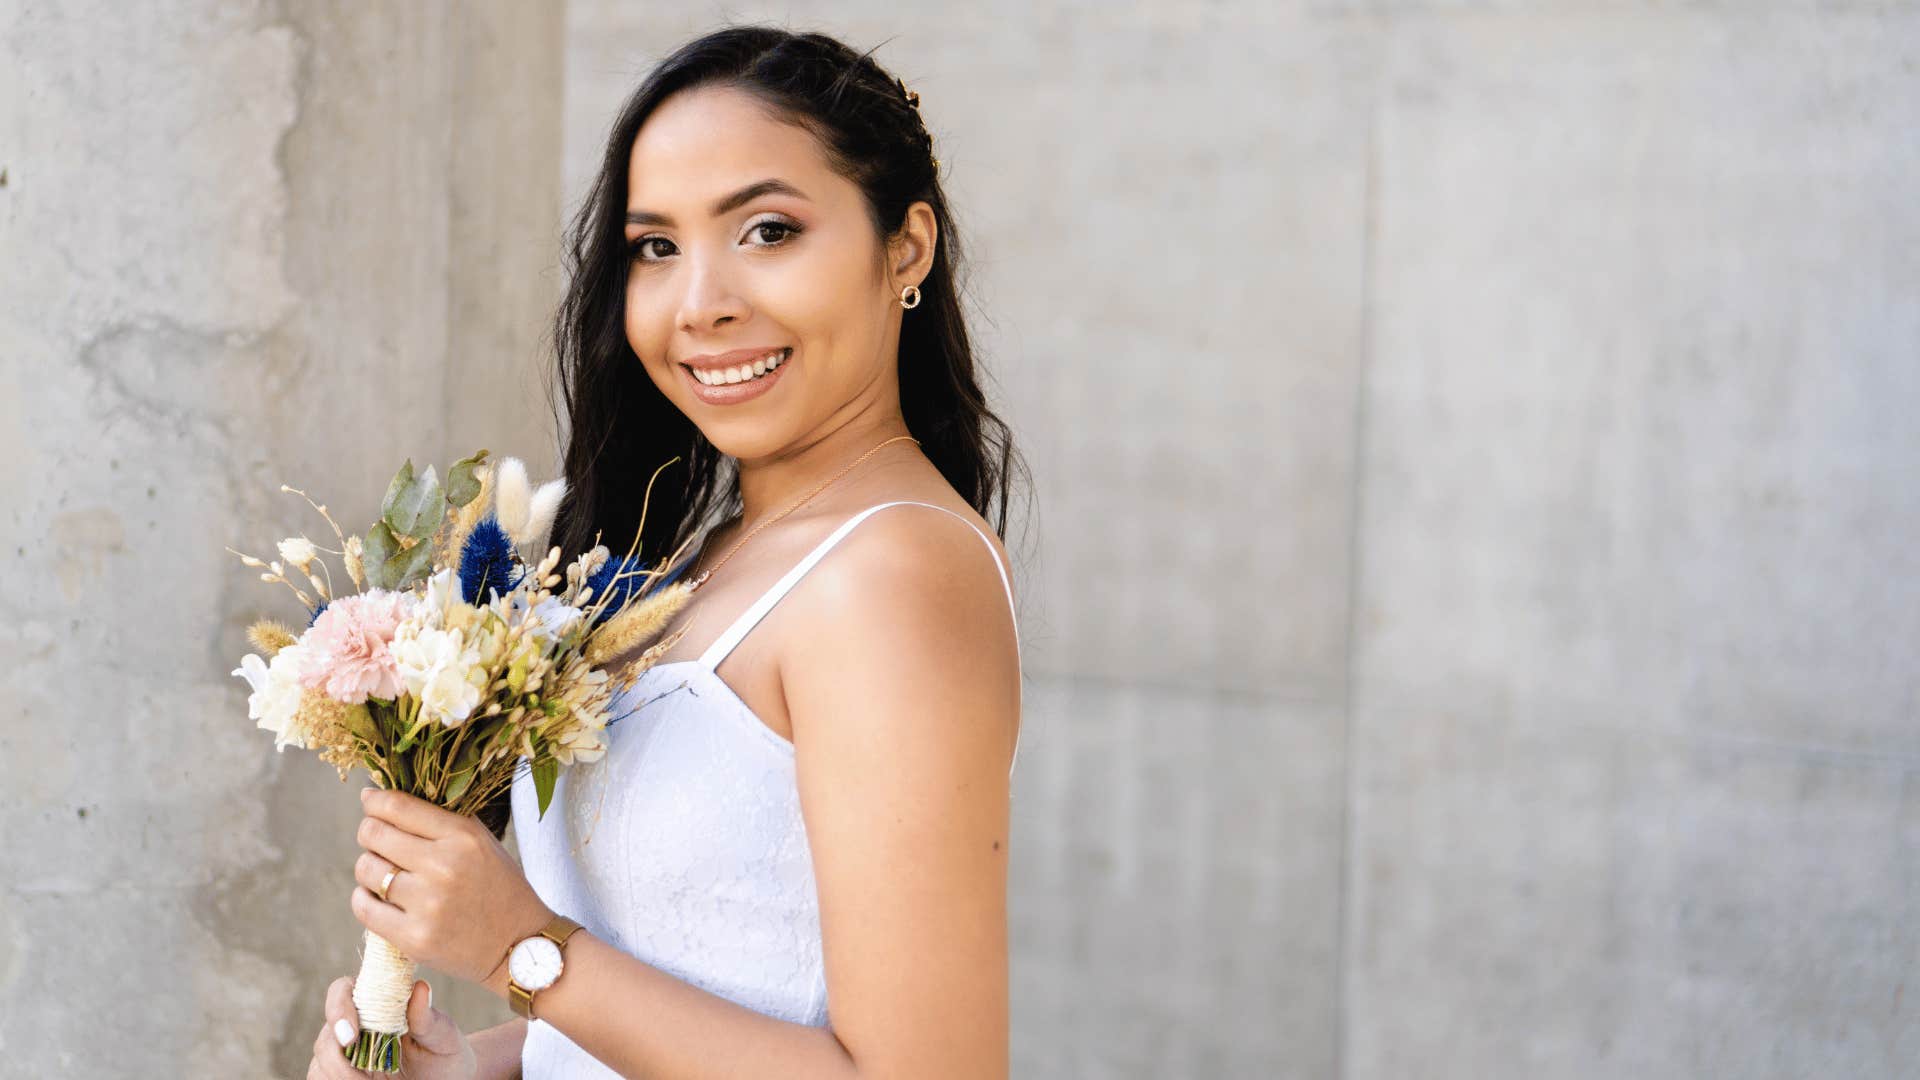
pixel 235 242
pixel 1470 595
pixel 1471 604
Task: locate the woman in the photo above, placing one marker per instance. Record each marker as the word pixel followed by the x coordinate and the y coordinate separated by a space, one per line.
pixel 808 802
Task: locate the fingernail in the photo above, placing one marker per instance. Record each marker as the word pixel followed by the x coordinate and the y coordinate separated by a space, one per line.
pixel 343 1031
pixel 429 995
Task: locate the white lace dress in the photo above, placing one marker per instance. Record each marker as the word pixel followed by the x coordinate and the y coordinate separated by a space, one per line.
pixel 684 845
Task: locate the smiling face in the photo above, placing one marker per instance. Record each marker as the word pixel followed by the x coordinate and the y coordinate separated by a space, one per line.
pixel 742 241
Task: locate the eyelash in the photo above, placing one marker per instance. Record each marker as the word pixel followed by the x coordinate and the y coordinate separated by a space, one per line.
pixel 791 229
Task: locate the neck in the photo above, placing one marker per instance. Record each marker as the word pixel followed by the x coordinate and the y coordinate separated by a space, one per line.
pixel 770 485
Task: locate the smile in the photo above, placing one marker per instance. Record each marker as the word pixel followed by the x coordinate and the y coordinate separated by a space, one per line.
pixel 740 382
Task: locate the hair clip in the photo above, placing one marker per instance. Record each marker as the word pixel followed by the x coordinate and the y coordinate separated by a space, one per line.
pixel 913 99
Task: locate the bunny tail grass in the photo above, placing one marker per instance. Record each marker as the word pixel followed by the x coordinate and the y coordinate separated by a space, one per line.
pixel 269 636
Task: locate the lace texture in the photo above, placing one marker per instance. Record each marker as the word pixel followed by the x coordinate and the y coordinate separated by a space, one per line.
pixel 697 864
pixel 684 845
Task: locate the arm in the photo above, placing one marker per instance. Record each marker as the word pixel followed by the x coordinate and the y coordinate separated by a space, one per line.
pixel 683 1031
pixel 904 716
pixel 497 1050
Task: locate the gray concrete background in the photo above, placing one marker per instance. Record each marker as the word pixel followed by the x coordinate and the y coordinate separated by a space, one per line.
pixel 1469 597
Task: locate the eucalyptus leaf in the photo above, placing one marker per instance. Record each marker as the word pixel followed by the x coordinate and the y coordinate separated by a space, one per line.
pixel 379 547
pixel 417 510
pixel 462 485
pixel 406 567
pixel 400 482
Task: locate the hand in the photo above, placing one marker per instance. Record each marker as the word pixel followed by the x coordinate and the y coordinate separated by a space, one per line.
pixel 432 1049
pixel 459 902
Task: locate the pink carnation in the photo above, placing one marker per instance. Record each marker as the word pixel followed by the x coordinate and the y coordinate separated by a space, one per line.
pixel 351 658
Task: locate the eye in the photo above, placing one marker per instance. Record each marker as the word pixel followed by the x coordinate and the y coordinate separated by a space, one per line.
pixel 637 247
pixel 784 230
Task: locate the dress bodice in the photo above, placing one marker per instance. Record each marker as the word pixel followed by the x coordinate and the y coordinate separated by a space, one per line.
pixel 683 845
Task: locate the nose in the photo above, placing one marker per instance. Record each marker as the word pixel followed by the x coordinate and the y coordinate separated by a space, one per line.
pixel 709 300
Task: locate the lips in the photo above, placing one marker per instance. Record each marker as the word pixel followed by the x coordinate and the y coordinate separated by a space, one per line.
pixel 743 371
pixel 745 390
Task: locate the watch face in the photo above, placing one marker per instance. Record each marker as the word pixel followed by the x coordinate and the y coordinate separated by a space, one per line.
pixel 534 963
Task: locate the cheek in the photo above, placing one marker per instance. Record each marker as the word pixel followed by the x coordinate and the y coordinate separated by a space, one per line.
pixel 648 330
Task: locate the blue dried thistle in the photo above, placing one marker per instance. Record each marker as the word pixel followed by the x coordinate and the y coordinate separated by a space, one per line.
pixel 624 589
pixel 487 561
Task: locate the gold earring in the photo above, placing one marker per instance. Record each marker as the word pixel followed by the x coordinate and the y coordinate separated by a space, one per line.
pixel 915 291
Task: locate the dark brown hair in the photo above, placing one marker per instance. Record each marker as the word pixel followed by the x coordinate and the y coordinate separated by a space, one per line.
pixel 620 428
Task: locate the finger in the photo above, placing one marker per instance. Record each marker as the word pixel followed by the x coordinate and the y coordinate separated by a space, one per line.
pixel 380 917
pixel 369 869
pixel 433 1030
pixel 340 1003
pixel 330 1058
pixel 410 812
pixel 392 843
pixel 330 1048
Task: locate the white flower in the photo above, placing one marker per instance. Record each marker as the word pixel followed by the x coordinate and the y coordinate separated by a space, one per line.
pixel 441 670
pixel 552 617
pixel 579 744
pixel 443 591
pixel 298 551
pixel 275 700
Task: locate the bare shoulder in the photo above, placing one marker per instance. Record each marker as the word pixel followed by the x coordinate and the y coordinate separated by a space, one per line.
pixel 914 592
pixel 916 565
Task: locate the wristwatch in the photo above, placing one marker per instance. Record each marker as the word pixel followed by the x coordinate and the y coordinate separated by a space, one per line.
pixel 535 963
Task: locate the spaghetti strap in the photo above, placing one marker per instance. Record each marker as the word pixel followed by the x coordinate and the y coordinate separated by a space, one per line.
pixel 725 643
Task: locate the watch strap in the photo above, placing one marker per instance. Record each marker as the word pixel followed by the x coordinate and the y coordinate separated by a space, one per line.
pixel 559 930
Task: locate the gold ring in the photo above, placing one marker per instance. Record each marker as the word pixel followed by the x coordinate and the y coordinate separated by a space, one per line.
pixel 387 883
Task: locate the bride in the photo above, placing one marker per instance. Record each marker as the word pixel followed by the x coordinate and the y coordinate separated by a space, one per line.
pixel 792 860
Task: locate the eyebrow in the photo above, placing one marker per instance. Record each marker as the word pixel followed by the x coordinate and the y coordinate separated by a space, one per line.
pixel 727 204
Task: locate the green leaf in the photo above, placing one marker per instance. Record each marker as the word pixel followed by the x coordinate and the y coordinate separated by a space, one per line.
pixel 417 508
pixel 402 773
pixel 359 720
pixel 470 750
pixel 462 486
pixel 379 549
pixel 401 481
pixel 544 775
pixel 458 786
pixel 420 723
pixel 404 568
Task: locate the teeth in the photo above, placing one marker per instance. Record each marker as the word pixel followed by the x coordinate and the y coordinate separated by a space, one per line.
pixel 743 372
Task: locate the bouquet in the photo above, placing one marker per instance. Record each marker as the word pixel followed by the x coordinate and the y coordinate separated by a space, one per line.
pixel 454 665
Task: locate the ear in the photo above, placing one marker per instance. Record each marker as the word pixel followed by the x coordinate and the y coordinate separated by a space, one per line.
pixel 910 252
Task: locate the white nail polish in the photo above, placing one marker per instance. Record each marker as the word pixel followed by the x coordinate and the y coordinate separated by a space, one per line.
pixel 343 1031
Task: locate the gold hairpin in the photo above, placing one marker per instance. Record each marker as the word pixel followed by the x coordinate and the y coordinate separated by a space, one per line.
pixel 913 99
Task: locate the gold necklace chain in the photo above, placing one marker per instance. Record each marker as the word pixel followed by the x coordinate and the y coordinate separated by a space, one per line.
pixel 708 572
